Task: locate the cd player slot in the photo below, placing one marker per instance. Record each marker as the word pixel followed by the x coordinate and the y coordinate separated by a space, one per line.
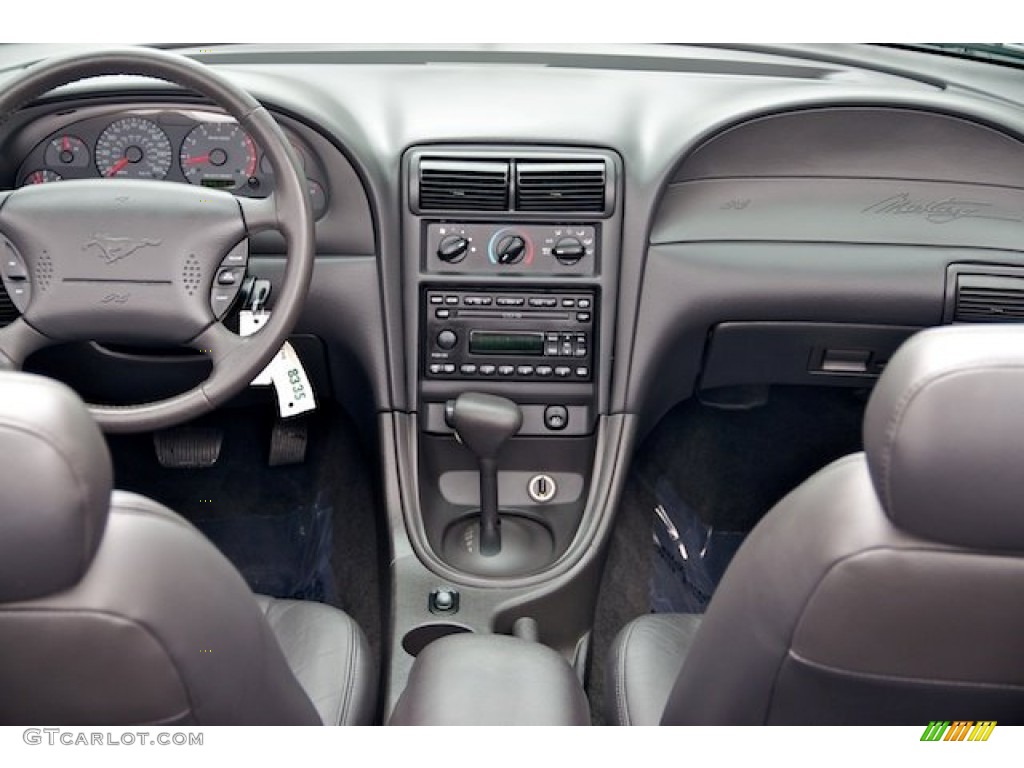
pixel 480 314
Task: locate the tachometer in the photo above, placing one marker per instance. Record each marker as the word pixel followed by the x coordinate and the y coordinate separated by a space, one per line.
pixel 133 147
pixel 218 155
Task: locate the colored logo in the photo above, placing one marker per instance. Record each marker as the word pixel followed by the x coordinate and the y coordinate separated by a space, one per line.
pixel 959 730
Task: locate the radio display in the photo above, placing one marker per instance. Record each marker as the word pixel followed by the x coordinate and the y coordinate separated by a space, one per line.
pixel 505 343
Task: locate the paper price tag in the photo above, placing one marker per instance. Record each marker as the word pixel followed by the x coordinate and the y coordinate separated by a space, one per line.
pixel 294 392
pixel 250 322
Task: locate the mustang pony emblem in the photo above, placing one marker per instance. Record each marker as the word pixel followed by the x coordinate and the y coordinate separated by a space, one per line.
pixel 116 248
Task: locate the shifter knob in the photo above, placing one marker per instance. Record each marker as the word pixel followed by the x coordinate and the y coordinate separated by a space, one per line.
pixel 483 422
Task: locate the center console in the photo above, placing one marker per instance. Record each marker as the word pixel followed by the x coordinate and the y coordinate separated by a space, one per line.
pixel 509 278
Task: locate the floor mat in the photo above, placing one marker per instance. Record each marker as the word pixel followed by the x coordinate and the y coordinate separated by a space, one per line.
pixel 286 555
pixel 690 556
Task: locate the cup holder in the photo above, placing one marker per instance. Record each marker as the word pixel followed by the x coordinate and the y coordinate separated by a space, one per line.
pixel 417 639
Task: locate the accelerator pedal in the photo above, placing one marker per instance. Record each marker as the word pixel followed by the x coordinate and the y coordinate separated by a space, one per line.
pixel 188 447
pixel 288 442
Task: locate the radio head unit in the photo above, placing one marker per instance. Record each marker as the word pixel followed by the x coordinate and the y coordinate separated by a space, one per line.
pixel 517 335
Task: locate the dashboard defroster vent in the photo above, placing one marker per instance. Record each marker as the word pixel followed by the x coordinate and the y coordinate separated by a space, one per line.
pixel 989 299
pixel 561 186
pixel 463 185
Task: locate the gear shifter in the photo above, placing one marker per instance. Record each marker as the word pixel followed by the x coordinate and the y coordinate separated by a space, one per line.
pixel 483 423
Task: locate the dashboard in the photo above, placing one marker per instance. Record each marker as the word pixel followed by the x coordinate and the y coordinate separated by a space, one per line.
pixel 646 224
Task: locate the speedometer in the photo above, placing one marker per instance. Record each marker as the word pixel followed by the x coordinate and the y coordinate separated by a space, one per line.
pixel 218 155
pixel 135 148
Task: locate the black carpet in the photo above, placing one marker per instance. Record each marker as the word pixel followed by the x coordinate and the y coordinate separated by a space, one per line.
pixel 714 473
pixel 307 531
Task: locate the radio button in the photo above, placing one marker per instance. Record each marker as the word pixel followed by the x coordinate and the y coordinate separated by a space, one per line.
pixel 543 301
pixel 551 349
pixel 551 336
pixel 525 370
pixel 583 317
pixel 487 370
pixel 566 349
pixel 447 339
pixel 436 299
pixel 467 368
pixel 448 368
pixel 583 303
pixel 451 299
pixel 436 368
pixel 510 301
pixel 506 370
pixel 442 314
pixel 570 303
pixel 580 352
pixel 583 372
pixel 544 370
pixel 563 371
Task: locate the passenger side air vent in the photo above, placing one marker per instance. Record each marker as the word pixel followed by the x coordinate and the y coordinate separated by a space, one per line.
pixel 463 185
pixel 561 186
pixel 989 299
pixel 8 314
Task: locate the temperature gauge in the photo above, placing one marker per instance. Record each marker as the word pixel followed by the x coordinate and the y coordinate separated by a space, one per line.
pixel 67 152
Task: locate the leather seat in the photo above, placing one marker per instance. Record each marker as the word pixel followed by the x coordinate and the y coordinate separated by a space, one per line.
pixel 116 611
pixel 887 588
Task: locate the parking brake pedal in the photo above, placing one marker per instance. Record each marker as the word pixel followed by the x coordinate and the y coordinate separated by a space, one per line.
pixel 288 442
pixel 188 447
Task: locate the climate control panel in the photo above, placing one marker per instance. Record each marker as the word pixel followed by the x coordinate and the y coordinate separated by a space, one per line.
pixel 513 249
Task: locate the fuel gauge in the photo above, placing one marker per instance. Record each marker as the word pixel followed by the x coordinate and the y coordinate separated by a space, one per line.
pixel 67 152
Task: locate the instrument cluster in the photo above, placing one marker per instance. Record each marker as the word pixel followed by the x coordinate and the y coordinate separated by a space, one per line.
pixel 188 146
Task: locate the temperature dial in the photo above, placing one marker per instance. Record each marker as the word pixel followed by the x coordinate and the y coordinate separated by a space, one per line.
pixel 510 249
pixel 452 249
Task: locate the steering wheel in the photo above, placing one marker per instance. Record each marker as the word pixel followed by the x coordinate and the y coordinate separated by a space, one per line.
pixel 154 285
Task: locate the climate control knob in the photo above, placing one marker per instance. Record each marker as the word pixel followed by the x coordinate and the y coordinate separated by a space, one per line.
pixel 510 249
pixel 568 251
pixel 452 249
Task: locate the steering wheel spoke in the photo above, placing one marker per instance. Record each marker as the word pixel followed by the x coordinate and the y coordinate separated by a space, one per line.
pixel 217 343
pixel 259 213
pixel 18 340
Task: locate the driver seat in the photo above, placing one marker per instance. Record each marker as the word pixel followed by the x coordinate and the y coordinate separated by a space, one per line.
pixel 116 611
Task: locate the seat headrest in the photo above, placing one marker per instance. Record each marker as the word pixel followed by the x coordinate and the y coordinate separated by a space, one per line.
pixel 944 436
pixel 55 485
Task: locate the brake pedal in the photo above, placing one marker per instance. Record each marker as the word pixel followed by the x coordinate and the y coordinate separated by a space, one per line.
pixel 188 447
pixel 288 442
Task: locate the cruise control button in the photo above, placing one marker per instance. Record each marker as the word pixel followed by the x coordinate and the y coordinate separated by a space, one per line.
pixel 227 276
pixel 14 268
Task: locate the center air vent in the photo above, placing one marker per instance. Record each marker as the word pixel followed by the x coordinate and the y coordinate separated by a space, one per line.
pixel 989 299
pixel 560 186
pixel 463 185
